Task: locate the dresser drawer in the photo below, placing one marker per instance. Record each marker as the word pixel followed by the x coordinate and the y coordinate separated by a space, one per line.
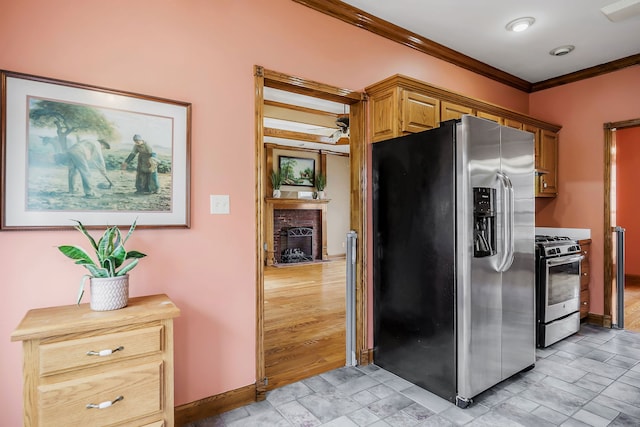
pixel 73 354
pixel 65 403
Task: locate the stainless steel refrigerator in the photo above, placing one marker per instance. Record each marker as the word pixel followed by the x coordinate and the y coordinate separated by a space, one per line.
pixel 453 261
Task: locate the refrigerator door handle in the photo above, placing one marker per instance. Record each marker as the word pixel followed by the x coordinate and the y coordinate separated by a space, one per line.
pixel 508 221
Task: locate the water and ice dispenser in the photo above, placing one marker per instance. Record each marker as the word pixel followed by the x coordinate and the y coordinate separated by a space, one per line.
pixel 484 222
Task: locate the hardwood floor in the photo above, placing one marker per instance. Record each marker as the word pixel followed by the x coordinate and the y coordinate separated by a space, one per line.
pixel 632 305
pixel 304 320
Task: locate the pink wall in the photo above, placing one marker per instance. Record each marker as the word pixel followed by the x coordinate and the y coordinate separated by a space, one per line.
pixel 582 108
pixel 202 52
pixel 628 199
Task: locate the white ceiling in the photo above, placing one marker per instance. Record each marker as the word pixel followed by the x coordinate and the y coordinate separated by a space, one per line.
pixel 476 28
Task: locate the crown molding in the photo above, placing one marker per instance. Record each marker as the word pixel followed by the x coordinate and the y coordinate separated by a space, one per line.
pixel 361 19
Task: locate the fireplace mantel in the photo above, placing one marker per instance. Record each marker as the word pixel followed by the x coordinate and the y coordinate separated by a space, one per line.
pixel 279 203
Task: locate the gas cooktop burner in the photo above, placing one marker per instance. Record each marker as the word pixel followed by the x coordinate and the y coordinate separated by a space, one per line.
pixel 554 246
pixel 550 239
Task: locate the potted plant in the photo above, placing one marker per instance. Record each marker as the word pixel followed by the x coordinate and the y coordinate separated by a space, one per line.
pixel 321 183
pixel 109 278
pixel 276 182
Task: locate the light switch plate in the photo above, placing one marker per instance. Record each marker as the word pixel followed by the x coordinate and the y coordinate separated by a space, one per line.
pixel 219 204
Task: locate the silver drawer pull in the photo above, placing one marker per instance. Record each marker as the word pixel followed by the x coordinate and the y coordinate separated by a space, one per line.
pixel 106 352
pixel 105 404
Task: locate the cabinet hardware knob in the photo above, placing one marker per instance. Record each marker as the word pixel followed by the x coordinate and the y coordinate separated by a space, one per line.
pixel 104 404
pixel 106 352
pixel 584 303
pixel 584 274
pixel 544 184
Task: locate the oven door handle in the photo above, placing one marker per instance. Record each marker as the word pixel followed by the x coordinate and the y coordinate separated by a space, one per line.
pixel 564 260
pixel 508 215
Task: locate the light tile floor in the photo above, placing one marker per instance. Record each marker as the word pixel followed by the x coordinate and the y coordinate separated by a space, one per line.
pixel 589 379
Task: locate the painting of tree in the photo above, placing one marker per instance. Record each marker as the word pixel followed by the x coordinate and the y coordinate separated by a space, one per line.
pixel 67 119
pixel 297 171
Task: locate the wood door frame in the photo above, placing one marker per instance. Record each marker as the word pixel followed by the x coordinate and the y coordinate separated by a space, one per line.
pixel 608 240
pixel 358 173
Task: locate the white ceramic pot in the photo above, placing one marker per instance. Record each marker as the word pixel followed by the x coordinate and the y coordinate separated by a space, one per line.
pixel 276 194
pixel 321 194
pixel 109 293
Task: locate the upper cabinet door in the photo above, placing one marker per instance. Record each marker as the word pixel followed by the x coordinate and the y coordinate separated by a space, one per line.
pixel 450 111
pixel 548 161
pixel 489 116
pixel 419 112
pixel 536 142
pixel 384 115
pixel 512 123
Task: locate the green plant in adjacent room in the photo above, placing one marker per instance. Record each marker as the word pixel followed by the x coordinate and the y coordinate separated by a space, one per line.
pixel 321 181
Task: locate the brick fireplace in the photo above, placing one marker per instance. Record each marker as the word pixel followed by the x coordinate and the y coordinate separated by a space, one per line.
pixel 282 215
pixel 297 229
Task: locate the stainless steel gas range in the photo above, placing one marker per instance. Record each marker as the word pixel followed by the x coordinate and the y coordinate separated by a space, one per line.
pixel 557 288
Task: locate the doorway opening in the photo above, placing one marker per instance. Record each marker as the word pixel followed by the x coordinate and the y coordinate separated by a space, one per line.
pixel 269 85
pixel 622 142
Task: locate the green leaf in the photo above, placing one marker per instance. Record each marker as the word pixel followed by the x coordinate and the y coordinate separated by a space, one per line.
pixel 135 254
pixel 133 227
pixel 127 268
pixel 105 244
pixel 97 271
pixel 81 291
pixel 118 256
pixel 76 253
pixel 84 231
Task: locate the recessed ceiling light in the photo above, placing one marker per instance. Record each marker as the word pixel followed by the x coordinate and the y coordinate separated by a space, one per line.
pixel 562 50
pixel 520 24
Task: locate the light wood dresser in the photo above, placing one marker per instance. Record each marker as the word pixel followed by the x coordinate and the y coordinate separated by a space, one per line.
pixel 99 368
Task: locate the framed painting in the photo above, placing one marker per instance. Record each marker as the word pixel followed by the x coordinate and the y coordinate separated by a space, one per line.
pixel 297 171
pixel 100 156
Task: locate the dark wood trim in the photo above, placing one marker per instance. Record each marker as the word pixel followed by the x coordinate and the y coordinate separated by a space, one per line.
pixel 622 124
pixel 358 219
pixel 300 108
pixel 261 185
pixel 327 150
pixel 358 177
pixel 599 320
pixel 608 230
pixel 587 73
pixel 361 19
pixel 607 242
pixel 312 88
pixel 366 357
pixel 214 405
pixel 364 20
pixel 297 136
pixel 632 279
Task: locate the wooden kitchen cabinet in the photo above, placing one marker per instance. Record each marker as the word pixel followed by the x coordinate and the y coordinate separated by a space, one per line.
pixel 547 171
pixel 493 117
pixel 418 112
pixel 516 124
pixel 396 111
pixel 585 278
pixel 99 368
pixel 399 105
pixel 450 111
